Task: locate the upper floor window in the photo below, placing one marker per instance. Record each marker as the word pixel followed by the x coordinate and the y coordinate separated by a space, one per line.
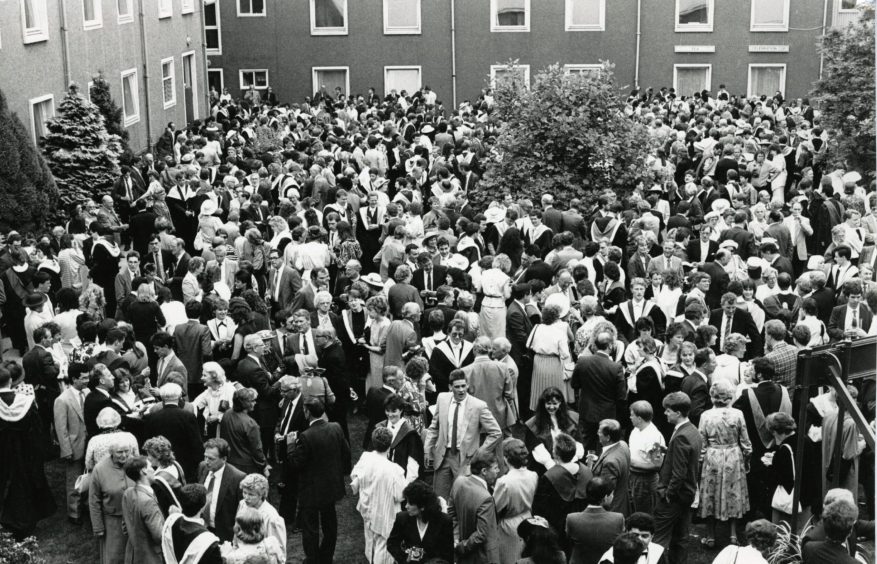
pixel 509 15
pixel 251 8
pixel 769 15
pixel 401 17
pixel 168 83
pixel 328 17
pixel 91 14
pixel 34 21
pixel 165 9
pixel 212 29
pixel 126 12
pixel 130 97
pixel 585 15
pixel 694 15
pixel 41 110
pixel 187 6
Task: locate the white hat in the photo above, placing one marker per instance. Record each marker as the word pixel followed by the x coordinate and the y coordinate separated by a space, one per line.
pixel 222 290
pixel 851 176
pixel 560 300
pixel 373 279
pixel 208 207
pixel 721 205
pixel 728 244
pixel 494 214
pixel 458 261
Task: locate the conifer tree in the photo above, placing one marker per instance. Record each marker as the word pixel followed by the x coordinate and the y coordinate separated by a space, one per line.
pixel 83 156
pixel 28 195
pixel 101 97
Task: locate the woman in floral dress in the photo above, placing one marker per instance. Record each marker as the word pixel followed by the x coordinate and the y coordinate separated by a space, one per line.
pixel 724 460
pixel 376 340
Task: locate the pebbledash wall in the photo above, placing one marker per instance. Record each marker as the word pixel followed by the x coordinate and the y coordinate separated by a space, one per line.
pixel 752 46
pixel 150 51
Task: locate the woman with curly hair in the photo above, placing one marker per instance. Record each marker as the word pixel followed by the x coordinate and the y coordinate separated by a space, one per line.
pixel 169 475
pixel 761 536
pixel 551 417
pixel 215 400
pixel 242 314
pixel 551 357
pixel 254 491
pixel 260 309
pixel 250 542
pixel 422 532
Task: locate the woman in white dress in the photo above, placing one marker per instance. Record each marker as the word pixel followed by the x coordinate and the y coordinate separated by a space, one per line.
pixel 376 343
pixel 213 402
pixel 778 174
pixel 513 495
pixel 552 362
pixel 729 365
pixel 496 286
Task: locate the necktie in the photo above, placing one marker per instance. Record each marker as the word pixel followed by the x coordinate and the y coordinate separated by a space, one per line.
pixel 854 322
pixel 666 263
pixel 208 518
pixel 304 344
pixel 221 329
pixel 454 448
pixel 159 268
pixel 160 366
pixel 728 320
pixel 373 217
pixel 284 426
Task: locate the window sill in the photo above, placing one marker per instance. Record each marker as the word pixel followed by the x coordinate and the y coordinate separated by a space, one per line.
pixel 129 121
pixel 585 28
pixel 35 37
pixel 765 29
pixel 329 31
pixel 88 26
pixel 169 105
pixel 694 29
pixel 509 29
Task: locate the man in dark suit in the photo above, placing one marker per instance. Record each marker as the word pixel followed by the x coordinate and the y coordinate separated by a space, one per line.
pixel 157 256
pixel 445 296
pixel 771 253
pixel 283 283
pixel 852 318
pixel 696 384
pixel 592 531
pixel 534 268
pixel 602 389
pixel 322 458
pixel 710 194
pixel 125 278
pixel 518 328
pixel 744 238
pixel 102 383
pixel 252 373
pixel 428 277
pixel 41 372
pixel 223 483
pixel 572 220
pixel 472 508
pixel 637 266
pixel 291 422
pixel 374 401
pixel 613 464
pixel 677 479
pixel 551 216
pixel 719 278
pixel 330 357
pixel 178 269
pixel 177 425
pixel 142 227
pixel 731 319
pixel 704 249
pixel 193 343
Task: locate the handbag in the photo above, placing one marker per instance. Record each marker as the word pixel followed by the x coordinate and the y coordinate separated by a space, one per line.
pixel 782 498
pixel 83 481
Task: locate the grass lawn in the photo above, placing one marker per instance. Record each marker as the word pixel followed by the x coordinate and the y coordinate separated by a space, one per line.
pixel 63 543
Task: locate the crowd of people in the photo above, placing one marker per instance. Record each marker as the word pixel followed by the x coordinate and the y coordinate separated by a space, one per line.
pixel 542 381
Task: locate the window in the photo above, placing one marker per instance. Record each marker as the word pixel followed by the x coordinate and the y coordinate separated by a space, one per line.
pixel 690 79
pixel 509 15
pixel 254 77
pixel 848 5
pixel 34 21
pixel 91 14
pixel 328 17
pixel 212 31
pixel 767 79
pixel 694 15
pixel 165 9
pixel 41 110
pixel 592 70
pixel 501 73
pixel 585 15
pixel 126 13
pixel 401 17
pixel 401 78
pixel 250 8
pixel 331 78
pixel 168 83
pixel 130 97
pixel 769 15
pixel 89 91
pixel 215 80
pixel 187 6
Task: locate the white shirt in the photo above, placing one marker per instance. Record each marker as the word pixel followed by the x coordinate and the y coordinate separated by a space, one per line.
pixel 217 479
pixel 641 442
pixel 461 421
pixel 394 428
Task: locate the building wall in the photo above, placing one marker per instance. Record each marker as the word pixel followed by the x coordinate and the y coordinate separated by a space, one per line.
pixel 36 69
pixel 282 43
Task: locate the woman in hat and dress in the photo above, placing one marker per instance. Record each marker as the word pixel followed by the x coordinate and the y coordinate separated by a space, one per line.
pixel 208 225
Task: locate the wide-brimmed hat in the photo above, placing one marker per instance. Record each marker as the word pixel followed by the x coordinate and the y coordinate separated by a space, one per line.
pixel 721 205
pixel 373 279
pixel 429 235
pixel 208 207
pixel 458 261
pixel 559 300
pixel 35 300
pixel 494 215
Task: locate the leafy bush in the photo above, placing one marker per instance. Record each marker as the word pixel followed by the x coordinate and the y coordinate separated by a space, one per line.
pixel 24 552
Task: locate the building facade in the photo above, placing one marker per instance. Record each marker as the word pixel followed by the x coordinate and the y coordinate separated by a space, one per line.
pixel 458 46
pixel 150 51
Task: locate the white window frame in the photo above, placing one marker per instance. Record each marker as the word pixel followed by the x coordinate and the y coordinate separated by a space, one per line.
pixel 125 18
pixel 568 69
pixel 315 86
pixel 217 27
pixel 328 30
pixel 188 6
pixel 41 31
pixel 495 68
pixel 98 21
pixel 165 9
pixel 173 78
pixel 241 79
pixel 237 3
pixel 88 88
pixel 842 10
pixel 571 26
pixel 709 75
pixel 31 103
pixel 696 28
pixel 765 65
pixel 402 30
pixel 134 117
pixel 418 68
pixel 759 27
pixel 494 28
pixel 221 78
